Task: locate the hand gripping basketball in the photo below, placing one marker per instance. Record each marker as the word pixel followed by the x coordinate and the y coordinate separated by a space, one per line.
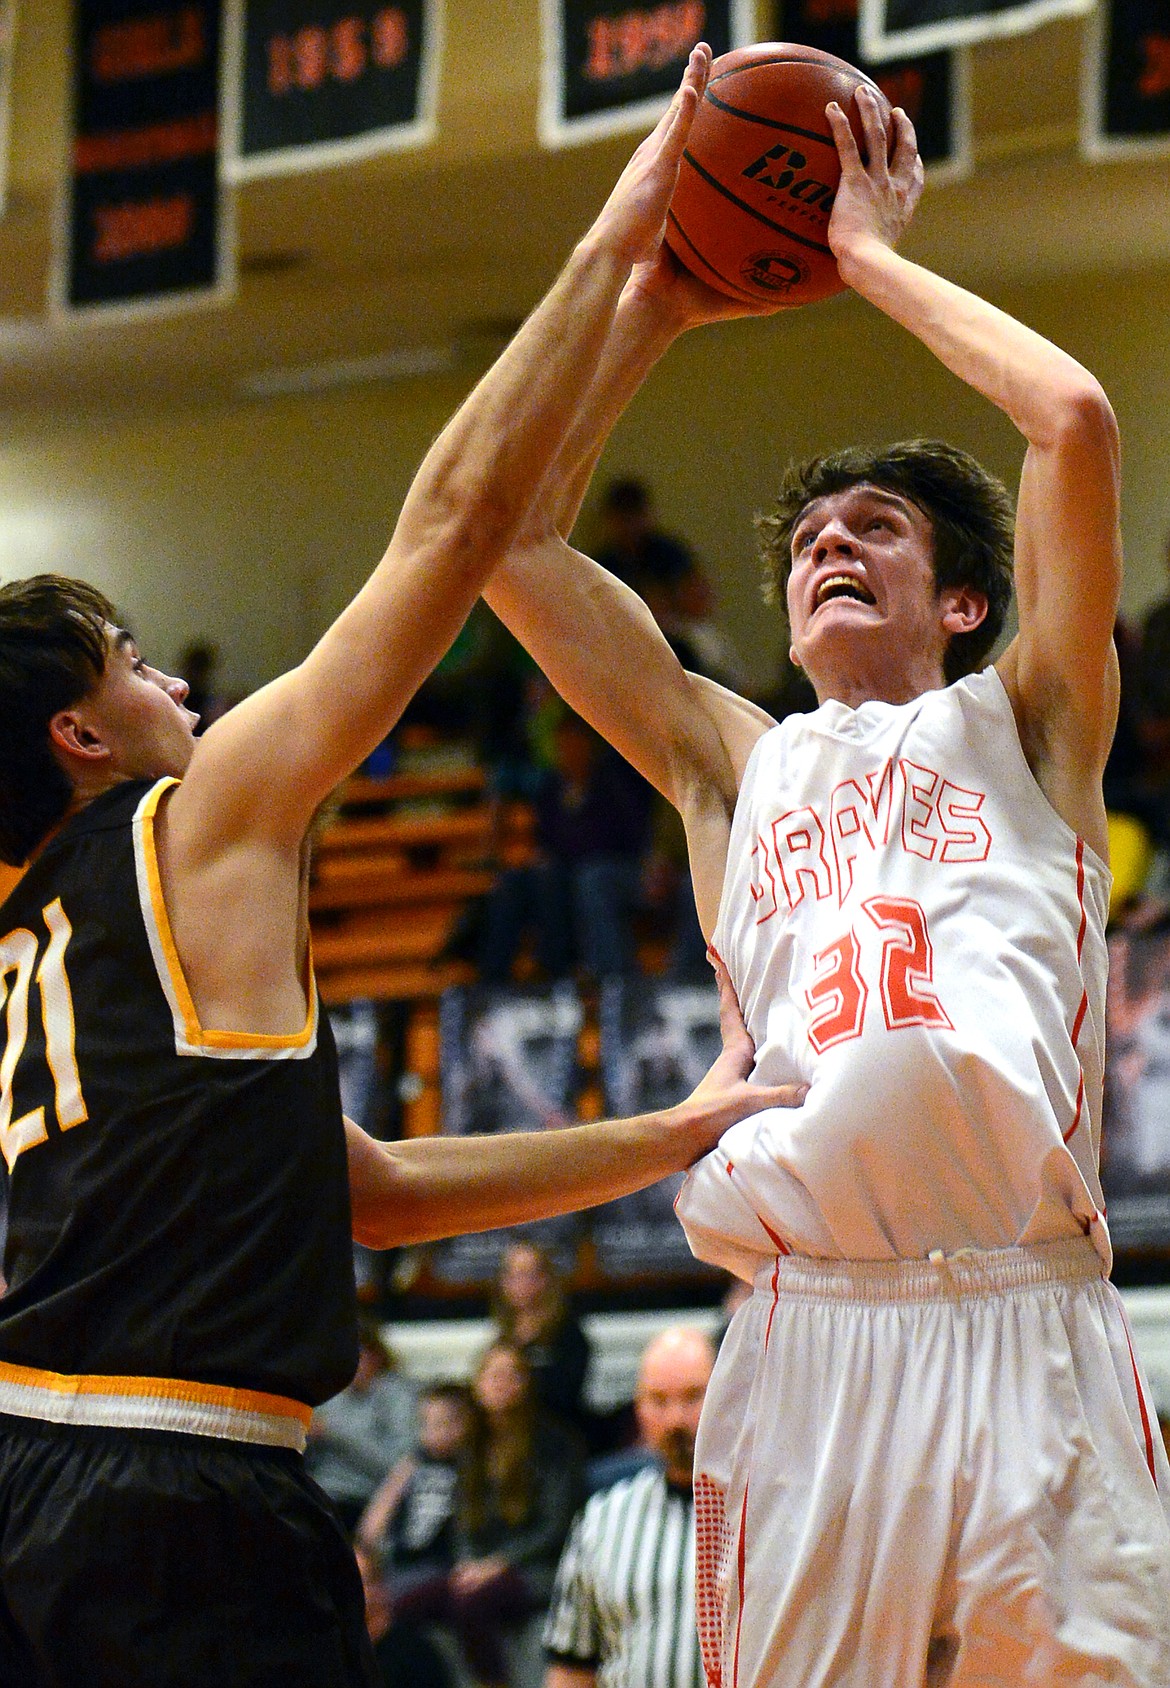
pixel 760 173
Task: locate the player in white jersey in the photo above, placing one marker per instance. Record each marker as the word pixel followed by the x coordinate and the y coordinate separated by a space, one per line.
pixel 927 1455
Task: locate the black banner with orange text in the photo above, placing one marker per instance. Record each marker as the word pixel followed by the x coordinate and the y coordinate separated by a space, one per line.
pixel 143 227
pixel 930 88
pixel 327 81
pixel 612 65
pixel 1127 82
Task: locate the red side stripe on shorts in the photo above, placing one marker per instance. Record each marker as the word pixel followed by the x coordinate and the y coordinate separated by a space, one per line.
pixel 775 1303
pixel 1080 1104
pixel 1080 1019
pixel 1081 892
pixel 778 1243
pixel 740 1567
pixel 1137 1383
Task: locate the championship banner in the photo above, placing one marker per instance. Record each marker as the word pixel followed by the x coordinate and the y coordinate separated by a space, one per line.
pixel 611 65
pixel 932 89
pixel 892 28
pixel 657 1041
pixel 319 82
pixel 1125 107
pixel 508 1061
pixel 144 226
pixel 1135 1137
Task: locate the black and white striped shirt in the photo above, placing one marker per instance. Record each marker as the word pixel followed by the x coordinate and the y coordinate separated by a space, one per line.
pixel 624 1602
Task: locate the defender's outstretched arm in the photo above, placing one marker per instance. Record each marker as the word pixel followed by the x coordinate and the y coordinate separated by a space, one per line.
pixel 263 769
pixel 424 1188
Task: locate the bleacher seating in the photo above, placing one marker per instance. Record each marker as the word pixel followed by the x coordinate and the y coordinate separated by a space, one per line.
pixel 394 869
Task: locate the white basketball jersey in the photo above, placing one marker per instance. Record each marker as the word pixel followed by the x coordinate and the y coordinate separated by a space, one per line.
pixel 915 934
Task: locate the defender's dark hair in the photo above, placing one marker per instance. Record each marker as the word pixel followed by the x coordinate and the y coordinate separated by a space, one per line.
pixel 971 517
pixel 53 647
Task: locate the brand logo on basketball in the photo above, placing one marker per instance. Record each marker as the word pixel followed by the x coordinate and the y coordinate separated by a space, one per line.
pixel 777 272
pixel 779 171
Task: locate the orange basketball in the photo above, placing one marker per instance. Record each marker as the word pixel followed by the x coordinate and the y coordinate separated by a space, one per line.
pixel 750 214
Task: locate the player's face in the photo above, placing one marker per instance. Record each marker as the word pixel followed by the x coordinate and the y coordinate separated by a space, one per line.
pixel 865 616
pixel 138 711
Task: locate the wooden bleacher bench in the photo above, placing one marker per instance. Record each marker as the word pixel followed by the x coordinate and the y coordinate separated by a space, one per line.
pixel 393 873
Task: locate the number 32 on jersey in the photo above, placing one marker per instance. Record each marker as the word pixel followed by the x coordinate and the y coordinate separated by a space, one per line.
pixel 839 993
pixel 18 970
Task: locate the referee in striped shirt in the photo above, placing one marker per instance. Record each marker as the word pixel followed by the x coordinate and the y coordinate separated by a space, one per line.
pixel 623 1610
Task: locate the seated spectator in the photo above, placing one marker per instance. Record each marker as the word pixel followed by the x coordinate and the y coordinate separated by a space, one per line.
pixel 592 829
pixel 531 1311
pixel 197 664
pixel 355 1438
pixel 519 1487
pixel 410 1521
pixel 632 545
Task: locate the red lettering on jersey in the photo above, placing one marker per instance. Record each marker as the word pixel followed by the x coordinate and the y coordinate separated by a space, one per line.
pixel 763 895
pixel 848 831
pixel 967 836
pixel 919 816
pixel 881 800
pixel 859 820
pixel 799 840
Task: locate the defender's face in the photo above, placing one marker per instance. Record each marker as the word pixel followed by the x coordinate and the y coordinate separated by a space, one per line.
pixel 138 710
pixel 862 603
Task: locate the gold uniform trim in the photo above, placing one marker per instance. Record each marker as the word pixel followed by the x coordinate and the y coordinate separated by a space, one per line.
pixel 196 1035
pixel 158 1389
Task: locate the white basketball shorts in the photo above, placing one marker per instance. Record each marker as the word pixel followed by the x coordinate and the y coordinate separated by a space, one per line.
pixel 933 1474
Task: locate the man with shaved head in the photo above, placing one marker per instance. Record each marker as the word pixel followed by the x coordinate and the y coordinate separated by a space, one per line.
pixel 623 1613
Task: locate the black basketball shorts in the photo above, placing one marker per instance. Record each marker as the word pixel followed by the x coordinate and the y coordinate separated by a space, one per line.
pixel 151 1559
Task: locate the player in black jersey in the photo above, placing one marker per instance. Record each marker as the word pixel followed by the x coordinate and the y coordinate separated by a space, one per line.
pixel 182 1187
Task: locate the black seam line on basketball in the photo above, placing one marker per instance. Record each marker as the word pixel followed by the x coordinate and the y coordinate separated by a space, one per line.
pixel 771 122
pixel 742 293
pixel 779 228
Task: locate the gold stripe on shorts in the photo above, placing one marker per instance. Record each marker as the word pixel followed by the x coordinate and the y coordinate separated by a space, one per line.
pixel 154 1403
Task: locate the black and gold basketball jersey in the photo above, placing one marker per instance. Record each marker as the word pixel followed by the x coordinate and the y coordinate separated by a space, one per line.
pixel 178 1197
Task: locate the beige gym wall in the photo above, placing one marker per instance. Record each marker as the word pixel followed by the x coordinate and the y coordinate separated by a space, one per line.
pixel 251 525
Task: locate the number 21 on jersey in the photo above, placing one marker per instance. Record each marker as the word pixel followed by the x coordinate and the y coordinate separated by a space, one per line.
pixel 839 993
pixel 18 970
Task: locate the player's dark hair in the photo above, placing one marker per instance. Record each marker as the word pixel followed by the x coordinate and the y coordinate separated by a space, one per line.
pixel 53 648
pixel 971 517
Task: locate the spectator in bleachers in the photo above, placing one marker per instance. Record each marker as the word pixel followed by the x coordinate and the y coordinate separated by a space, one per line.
pixel 519 1488
pixel 623 1617
pixel 407 1536
pixel 632 545
pixel 592 830
pixel 410 1520
pixel 198 663
pixel 532 1311
pixel 356 1437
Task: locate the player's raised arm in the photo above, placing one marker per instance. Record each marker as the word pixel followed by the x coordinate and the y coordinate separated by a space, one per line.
pixel 1061 671
pixel 294 740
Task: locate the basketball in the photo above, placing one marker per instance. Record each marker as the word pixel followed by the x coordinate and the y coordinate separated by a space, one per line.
pixel 750 214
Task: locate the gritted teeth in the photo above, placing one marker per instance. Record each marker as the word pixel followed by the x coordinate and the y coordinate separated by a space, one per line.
pixel 843 586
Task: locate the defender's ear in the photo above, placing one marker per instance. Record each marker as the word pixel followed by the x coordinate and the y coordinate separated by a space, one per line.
pixel 792 656
pixel 74 736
